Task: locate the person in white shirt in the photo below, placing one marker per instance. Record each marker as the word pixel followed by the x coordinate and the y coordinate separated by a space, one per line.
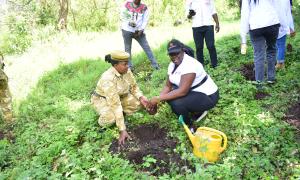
pixel 134 19
pixel 286 27
pixel 189 90
pixel 202 12
pixel 260 19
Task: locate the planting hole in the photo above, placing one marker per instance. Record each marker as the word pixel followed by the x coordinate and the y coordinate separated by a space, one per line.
pixel 293 115
pixel 247 70
pixel 151 150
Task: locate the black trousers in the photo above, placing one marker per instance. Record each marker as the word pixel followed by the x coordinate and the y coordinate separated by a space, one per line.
pixel 207 33
pixel 193 102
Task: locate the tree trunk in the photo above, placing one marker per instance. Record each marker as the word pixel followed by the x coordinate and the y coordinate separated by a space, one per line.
pixel 63 14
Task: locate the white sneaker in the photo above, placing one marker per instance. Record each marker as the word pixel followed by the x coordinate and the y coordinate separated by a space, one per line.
pixel 192 130
pixel 202 116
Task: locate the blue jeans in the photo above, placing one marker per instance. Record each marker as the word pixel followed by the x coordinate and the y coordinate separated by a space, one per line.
pixel 264 42
pixel 128 36
pixel 207 33
pixel 280 44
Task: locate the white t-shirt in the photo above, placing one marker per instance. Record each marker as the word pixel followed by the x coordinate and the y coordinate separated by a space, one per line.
pixel 191 65
pixel 204 10
pixel 259 15
pixel 139 15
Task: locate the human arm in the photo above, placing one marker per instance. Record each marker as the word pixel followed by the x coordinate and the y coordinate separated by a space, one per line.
pixel 244 23
pixel 145 19
pixel 215 15
pixel 185 84
pixel 291 22
pixel 189 12
pixel 134 88
pixel 144 101
pixel 123 136
pixel 216 19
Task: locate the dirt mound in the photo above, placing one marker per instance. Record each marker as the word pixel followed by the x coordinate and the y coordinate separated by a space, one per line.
pixel 151 150
pixel 293 115
pixel 261 95
pixel 289 47
pixel 7 135
pixel 247 70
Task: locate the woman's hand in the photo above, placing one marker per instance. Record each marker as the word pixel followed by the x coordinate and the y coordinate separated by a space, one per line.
pixel 123 136
pixel 155 100
pixel 292 33
pixel 144 101
pixel 243 48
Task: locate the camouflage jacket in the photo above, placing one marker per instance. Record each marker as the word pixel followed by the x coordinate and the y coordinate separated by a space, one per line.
pixel 113 85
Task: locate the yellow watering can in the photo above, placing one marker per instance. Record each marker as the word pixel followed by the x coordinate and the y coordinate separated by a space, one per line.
pixel 207 142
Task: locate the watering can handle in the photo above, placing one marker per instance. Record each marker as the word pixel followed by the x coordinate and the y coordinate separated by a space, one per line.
pixel 181 121
pixel 218 132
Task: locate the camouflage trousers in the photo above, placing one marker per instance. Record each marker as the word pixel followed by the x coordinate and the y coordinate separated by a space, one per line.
pixel 5 105
pixel 130 104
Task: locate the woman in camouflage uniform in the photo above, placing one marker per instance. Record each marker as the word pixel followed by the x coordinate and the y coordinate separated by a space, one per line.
pixel 117 94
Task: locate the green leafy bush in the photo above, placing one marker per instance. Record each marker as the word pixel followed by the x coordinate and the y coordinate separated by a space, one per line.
pixel 18 37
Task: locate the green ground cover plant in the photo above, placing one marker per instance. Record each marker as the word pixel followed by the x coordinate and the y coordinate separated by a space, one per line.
pixel 56 135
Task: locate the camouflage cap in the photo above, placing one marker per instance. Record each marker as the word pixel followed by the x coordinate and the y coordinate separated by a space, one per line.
pixel 119 55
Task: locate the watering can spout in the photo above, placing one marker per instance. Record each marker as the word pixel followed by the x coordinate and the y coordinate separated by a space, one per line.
pixel 187 130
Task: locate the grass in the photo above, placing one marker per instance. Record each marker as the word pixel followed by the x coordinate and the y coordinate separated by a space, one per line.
pixel 57 132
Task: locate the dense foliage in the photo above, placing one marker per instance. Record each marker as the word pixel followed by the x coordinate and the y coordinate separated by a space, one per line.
pixel 57 136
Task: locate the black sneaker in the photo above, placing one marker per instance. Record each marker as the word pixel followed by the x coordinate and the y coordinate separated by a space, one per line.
pixel 193 128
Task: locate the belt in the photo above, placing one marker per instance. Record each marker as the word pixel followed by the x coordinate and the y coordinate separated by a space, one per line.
pixel 94 93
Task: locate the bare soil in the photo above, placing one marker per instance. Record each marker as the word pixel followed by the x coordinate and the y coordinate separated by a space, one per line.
pixel 149 140
pixel 289 47
pixel 261 95
pixel 247 70
pixel 7 135
pixel 293 115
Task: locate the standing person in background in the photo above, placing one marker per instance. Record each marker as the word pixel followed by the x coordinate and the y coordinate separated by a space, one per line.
pixel 134 19
pixel 243 37
pixel 201 12
pixel 286 27
pixel 260 19
pixel 5 95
